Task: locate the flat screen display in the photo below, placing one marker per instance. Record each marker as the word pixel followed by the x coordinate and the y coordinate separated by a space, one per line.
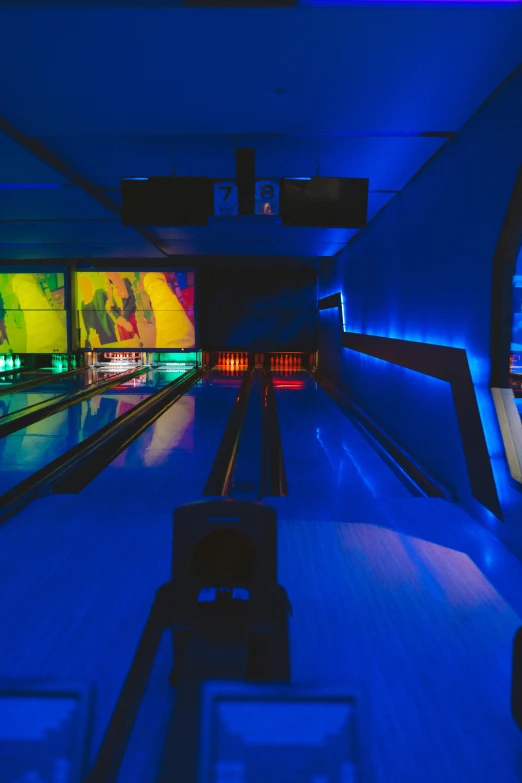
pixel 324 202
pixel 32 312
pixel 166 201
pixel 136 310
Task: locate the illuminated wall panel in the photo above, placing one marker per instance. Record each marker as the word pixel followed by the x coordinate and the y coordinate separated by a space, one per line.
pixel 136 310
pixel 32 312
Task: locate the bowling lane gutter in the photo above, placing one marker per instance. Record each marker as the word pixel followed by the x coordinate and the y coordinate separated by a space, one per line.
pixel 273 473
pixel 41 410
pixel 41 381
pixel 220 477
pixel 412 474
pixel 78 466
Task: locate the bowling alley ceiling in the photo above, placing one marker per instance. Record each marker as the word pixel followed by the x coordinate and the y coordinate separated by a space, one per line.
pixel 90 94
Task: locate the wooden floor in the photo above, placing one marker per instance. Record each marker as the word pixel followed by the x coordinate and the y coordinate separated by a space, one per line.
pixel 409 600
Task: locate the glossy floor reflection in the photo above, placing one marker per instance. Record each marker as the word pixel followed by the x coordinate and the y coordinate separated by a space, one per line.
pixel 410 599
pixel 24 452
pixel 18 400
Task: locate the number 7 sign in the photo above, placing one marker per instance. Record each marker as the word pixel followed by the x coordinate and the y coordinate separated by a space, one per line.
pixel 225 199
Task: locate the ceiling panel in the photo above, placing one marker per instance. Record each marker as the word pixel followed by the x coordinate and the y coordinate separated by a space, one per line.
pixel 17 166
pixel 21 251
pixel 388 162
pixel 53 204
pixel 82 231
pixel 171 71
pixel 105 159
pixel 140 92
pixel 249 247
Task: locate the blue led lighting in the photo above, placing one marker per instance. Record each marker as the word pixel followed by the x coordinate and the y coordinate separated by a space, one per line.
pixel 301 179
pixel 479 369
pixel 136 179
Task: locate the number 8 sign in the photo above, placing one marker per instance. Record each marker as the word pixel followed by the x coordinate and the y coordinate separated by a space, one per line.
pixel 267 197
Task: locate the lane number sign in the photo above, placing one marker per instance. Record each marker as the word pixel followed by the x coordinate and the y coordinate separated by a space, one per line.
pixel 267 197
pixel 225 199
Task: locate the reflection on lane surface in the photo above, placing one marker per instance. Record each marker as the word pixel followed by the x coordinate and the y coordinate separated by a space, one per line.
pixel 16 401
pixel 169 463
pixel 174 429
pixel 24 452
pixel 327 459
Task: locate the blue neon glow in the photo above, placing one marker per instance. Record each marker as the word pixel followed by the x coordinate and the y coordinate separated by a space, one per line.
pixel 207 595
pixel 479 370
pixel 136 179
pixel 301 179
pixel 343 313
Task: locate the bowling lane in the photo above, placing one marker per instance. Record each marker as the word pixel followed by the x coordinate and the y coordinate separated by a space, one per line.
pixel 24 452
pixel 328 461
pixel 17 400
pixel 8 382
pixel 93 561
pixel 172 459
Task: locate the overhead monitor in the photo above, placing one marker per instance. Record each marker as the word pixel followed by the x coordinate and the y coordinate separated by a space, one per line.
pixel 138 310
pixel 324 202
pixel 165 201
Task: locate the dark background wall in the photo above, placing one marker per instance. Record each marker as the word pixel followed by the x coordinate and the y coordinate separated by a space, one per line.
pixel 257 307
pixel 422 271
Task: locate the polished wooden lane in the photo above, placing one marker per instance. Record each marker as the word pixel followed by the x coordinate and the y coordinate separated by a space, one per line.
pixel 409 600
